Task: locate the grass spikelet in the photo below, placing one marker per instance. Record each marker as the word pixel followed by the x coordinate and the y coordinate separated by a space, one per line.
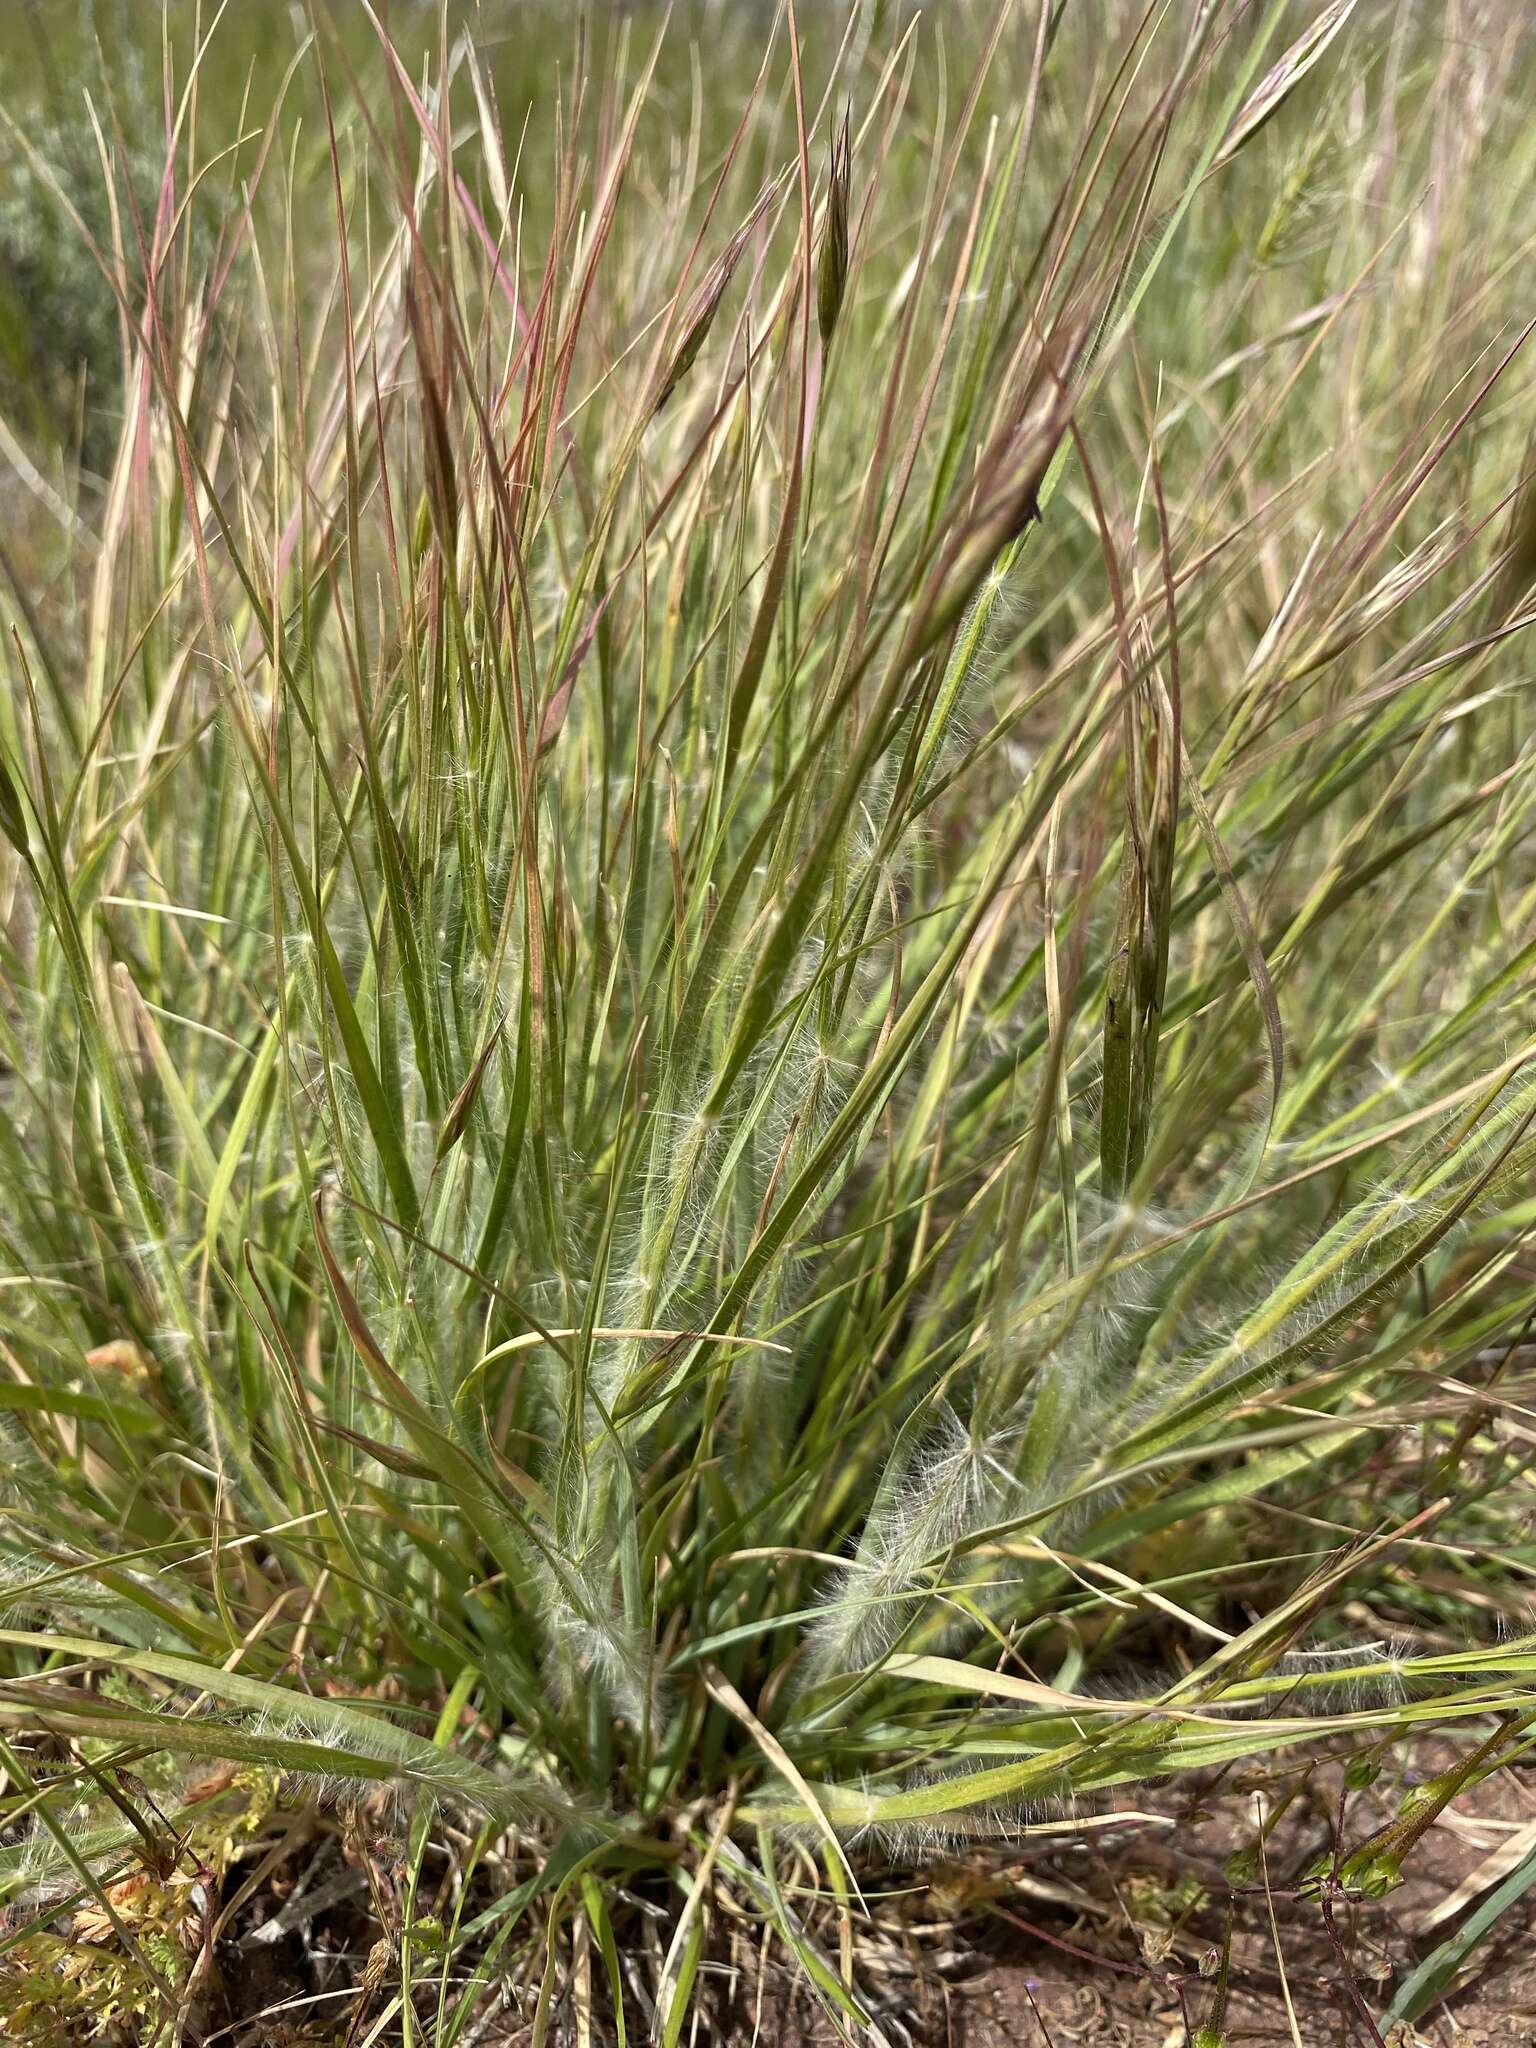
pixel 832 268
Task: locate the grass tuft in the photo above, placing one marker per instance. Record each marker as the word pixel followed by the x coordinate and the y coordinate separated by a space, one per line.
pixel 765 1073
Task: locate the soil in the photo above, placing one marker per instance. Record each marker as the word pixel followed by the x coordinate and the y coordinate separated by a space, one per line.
pixel 1109 1937
pixel 1102 1947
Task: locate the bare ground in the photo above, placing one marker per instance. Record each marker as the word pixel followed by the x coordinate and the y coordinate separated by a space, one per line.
pixel 1111 1946
pixel 1110 1940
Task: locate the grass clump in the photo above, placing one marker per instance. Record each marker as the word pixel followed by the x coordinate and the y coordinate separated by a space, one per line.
pixel 765 928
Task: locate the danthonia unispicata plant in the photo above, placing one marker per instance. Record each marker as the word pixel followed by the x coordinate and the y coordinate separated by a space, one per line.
pixel 765 942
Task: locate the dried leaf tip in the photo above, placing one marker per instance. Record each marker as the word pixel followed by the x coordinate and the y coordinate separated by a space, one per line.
pixel 832 273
